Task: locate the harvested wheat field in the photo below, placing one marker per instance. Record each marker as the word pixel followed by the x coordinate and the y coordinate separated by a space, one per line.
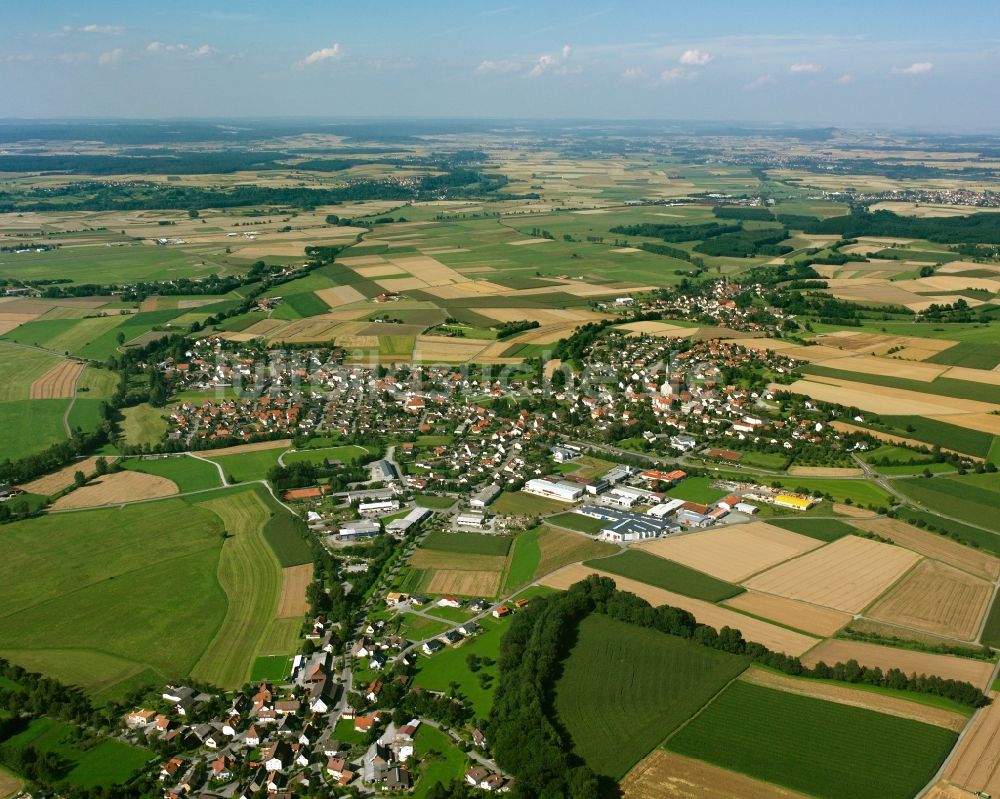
pixel 733 552
pixel 339 295
pixel 800 352
pixel 853 511
pixel 989 376
pixel 975 763
pixel 657 329
pixel 470 288
pixel 880 343
pixel 944 790
pixel 57 481
pixel 937 598
pixel 772 636
pixel 847 575
pixel 294 582
pixel 800 615
pixel 444 348
pixel 983 422
pixel 843 695
pixel 399 284
pixel 382 269
pixel 463 583
pixel 59 382
pixel 430 270
pixel 978 672
pixel 889 367
pixel 825 471
pixel 934 546
pixel 884 400
pixel 114 488
pixel 665 775
pixel 439 559
pixel 523 242
pixel 544 316
pixel 239 449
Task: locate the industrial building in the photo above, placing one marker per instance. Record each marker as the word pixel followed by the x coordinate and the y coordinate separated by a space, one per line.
pixel 562 490
pixel 623 525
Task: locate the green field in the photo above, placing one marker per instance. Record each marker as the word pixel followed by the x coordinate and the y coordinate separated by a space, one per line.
pixel 625 688
pixel 754 730
pixel 667 574
pixel 190 474
pixel 434 502
pixel 974 355
pixel 544 549
pixel 439 758
pixel 436 673
pixel 250 575
pixel 283 533
pixel 28 425
pixel 962 497
pixel 87 763
pixel 105 265
pixel 697 489
pixel 395 346
pixel 246 466
pixel 97 615
pixel 823 529
pixel 143 424
pixel 348 454
pixel 31 425
pixel 942 434
pixel 272 668
pixel 521 503
pixel 578 522
pixel 860 492
pixel 467 543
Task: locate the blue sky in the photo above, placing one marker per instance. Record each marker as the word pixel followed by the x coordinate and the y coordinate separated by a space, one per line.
pixel 896 64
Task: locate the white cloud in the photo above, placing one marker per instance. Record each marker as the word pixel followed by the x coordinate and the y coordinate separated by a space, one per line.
pixel 633 73
pixel 108 29
pixel 503 65
pixel 157 48
pixel 844 79
pixel 695 58
pixel 804 69
pixel 110 56
pixel 323 54
pixel 202 50
pixel 676 73
pixel 759 83
pixel 73 58
pixel 558 64
pixel 917 68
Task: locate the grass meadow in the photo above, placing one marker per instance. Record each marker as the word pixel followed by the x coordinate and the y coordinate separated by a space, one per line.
pixel 468 543
pixel 772 736
pixel 97 615
pixel 667 574
pixel 961 497
pixel 625 688
pixel 822 529
pixel 189 474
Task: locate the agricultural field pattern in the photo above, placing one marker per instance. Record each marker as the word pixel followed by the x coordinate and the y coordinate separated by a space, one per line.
pixel 441 459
